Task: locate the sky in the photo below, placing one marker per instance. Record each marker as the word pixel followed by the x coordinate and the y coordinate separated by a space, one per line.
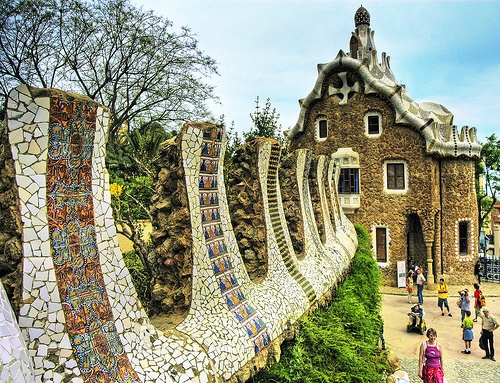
pixel 443 51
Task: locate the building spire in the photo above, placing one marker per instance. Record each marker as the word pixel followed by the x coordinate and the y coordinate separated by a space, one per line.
pixel 362 43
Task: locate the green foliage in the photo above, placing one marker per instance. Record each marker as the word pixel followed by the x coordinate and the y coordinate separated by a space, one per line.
pixel 488 171
pixel 338 344
pixel 265 123
pixel 140 278
pixel 134 201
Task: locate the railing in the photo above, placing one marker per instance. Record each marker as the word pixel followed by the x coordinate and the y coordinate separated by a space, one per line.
pixel 491 268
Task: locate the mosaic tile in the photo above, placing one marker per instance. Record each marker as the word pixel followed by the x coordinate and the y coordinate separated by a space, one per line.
pixel 84 309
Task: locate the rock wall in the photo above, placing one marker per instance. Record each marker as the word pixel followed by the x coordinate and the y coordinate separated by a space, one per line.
pixel 247 209
pixel 79 314
pixel 172 258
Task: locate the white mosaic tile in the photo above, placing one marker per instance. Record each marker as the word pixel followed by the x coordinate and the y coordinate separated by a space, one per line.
pixel 230 320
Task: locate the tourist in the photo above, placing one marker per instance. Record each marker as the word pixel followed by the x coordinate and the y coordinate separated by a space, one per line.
pixel 420 286
pixel 409 286
pixel 467 334
pixel 398 375
pixel 478 295
pixel 417 313
pixel 465 303
pixel 478 271
pixel 443 297
pixel 430 362
pixel 489 324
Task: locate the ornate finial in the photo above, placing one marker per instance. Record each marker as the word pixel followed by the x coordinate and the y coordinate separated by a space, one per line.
pixel 361 17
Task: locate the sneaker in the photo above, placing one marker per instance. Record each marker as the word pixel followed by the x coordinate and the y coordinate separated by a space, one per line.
pixel 474 320
pixel 464 352
pixel 449 314
pixel 442 314
pixel 486 357
pixel 493 359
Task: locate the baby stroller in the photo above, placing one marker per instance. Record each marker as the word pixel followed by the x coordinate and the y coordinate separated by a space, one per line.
pixel 416 321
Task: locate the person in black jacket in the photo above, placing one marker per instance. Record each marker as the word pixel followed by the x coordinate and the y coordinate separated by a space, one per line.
pixel 478 271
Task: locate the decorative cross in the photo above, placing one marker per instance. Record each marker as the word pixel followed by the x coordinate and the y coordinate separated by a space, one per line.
pixel 344 91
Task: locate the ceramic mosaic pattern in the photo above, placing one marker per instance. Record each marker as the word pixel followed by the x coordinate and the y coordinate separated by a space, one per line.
pixel 234 317
pixel 319 260
pixel 15 362
pixel 154 357
pixel 275 216
pixel 89 318
pixel 81 320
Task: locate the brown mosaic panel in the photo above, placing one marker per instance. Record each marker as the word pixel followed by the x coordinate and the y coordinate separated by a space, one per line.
pixel 98 350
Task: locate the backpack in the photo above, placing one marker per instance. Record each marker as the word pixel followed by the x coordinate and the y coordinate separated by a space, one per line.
pixel 459 301
pixel 482 301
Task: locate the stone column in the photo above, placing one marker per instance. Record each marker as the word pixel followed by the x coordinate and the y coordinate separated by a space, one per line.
pixel 496 236
pixel 430 275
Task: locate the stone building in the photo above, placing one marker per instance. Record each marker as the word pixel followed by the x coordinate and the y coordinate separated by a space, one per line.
pixel 406 172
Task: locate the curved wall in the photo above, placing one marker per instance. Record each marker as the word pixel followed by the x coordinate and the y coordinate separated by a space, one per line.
pixel 80 316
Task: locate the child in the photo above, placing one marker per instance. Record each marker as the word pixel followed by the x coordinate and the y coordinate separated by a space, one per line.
pixel 468 334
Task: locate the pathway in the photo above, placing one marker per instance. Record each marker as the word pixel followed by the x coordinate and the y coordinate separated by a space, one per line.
pixel 459 368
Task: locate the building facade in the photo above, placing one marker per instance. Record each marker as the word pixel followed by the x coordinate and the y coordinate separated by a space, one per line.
pixel 406 172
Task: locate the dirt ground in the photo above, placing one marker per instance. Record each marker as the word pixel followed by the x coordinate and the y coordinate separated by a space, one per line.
pixel 394 313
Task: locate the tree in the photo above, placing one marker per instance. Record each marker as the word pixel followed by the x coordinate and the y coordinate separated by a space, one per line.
pixel 489 171
pixel 131 184
pixel 121 56
pixel 265 122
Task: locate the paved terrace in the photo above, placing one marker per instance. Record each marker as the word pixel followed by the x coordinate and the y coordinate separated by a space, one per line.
pixel 459 368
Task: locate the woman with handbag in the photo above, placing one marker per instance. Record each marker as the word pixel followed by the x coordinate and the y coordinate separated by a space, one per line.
pixel 409 286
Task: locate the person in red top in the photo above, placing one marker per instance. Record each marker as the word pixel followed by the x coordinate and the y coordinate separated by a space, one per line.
pixel 477 303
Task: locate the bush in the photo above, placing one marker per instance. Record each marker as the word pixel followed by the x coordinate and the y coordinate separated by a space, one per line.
pixel 140 279
pixel 339 343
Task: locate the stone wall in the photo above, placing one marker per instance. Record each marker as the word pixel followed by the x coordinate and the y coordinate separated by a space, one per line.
pixel 172 258
pixel 440 190
pixel 461 206
pixel 291 204
pixel 247 210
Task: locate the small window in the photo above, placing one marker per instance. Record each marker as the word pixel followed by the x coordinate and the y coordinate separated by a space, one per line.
pixel 463 237
pixel 349 181
pixel 381 244
pixel 396 176
pixel 373 124
pixel 323 129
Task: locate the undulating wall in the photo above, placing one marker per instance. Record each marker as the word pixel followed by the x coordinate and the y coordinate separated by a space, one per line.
pixel 80 317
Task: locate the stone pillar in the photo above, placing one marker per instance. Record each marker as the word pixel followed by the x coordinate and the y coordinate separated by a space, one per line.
pixel 496 236
pixel 430 274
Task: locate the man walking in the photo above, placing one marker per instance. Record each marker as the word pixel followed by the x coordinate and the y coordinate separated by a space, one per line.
pixel 420 286
pixel 489 325
pixel 443 297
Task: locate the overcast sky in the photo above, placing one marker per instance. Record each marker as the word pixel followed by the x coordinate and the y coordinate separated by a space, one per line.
pixel 443 51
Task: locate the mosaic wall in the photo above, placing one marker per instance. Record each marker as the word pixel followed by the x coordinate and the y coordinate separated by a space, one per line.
pixel 80 319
